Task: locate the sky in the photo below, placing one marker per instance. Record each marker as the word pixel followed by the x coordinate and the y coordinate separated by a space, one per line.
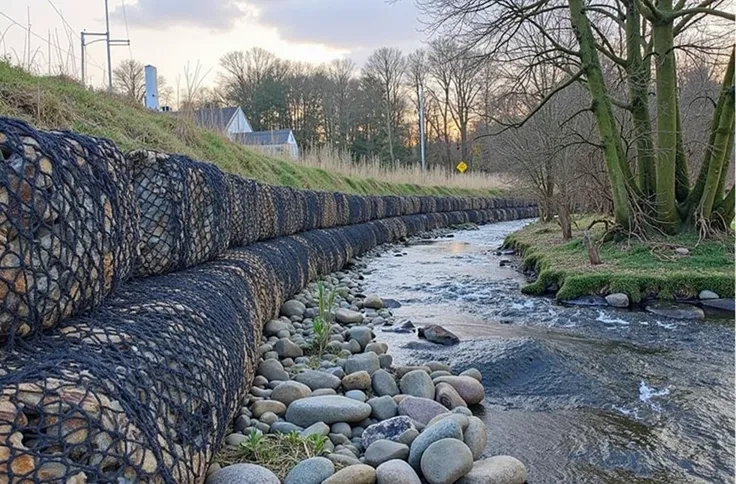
pixel 172 33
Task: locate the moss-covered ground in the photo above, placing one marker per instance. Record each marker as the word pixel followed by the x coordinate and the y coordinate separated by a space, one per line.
pixel 60 103
pixel 633 266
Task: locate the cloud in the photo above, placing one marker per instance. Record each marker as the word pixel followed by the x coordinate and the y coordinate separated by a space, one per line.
pixel 341 24
pixel 212 14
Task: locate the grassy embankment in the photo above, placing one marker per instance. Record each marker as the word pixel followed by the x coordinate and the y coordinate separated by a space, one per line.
pixel 56 103
pixel 634 267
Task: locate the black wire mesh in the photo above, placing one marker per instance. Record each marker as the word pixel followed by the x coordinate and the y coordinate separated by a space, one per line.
pixel 68 225
pixel 185 211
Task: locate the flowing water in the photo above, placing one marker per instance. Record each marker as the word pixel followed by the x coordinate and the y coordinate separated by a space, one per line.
pixel 580 395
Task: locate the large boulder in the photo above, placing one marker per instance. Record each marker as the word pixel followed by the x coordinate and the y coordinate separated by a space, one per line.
pixel 328 409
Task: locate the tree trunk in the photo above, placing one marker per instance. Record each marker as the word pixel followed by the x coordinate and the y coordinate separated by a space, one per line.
pixel 726 166
pixel 638 75
pixel 697 193
pixel 593 254
pixel 388 126
pixel 601 105
pixel 563 215
pixel 720 152
pixel 726 209
pixel 662 33
pixel 682 178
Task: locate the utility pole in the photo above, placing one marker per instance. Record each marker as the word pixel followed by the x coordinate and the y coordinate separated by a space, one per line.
pixel 421 125
pixel 108 41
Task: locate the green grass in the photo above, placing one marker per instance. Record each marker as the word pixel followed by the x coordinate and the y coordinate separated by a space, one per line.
pixel 634 267
pixel 276 452
pixel 58 103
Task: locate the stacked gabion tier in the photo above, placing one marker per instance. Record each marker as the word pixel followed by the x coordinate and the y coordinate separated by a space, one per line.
pixel 68 226
pixel 139 384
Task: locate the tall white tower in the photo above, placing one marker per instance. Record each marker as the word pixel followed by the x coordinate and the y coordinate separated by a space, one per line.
pixel 152 88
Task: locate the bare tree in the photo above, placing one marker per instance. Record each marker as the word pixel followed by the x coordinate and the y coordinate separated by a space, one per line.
pixel 639 39
pixel 416 78
pixel 387 66
pixel 129 79
pixel 339 89
pixel 165 92
pixel 440 90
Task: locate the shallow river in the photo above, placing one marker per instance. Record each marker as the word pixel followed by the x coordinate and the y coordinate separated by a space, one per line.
pixel 579 395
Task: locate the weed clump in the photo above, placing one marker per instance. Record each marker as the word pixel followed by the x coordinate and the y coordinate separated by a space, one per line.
pixel 277 452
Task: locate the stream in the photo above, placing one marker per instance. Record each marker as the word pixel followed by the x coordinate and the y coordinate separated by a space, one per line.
pixel 580 395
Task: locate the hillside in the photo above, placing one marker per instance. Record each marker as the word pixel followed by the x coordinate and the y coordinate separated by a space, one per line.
pixel 58 103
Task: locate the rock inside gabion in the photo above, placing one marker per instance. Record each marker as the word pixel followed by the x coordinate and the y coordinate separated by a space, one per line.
pixel 185 211
pixel 68 225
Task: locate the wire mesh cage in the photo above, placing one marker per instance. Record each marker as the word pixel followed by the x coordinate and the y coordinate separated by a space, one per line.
pixel 68 225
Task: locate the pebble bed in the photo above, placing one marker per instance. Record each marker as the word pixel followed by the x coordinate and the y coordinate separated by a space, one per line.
pixel 384 423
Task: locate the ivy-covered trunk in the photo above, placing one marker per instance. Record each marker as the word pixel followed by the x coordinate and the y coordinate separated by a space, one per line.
pixel 638 78
pixel 666 87
pixel 617 166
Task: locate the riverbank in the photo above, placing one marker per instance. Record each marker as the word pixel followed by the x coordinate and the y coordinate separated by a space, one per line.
pixel 329 405
pixel 680 267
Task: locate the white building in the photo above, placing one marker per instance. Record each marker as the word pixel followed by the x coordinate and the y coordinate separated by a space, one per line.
pixel 274 143
pixel 233 123
pixel 229 121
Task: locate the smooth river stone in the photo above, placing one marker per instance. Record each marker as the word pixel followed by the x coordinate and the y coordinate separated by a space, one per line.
pixel 469 389
pixel 328 409
pixel 501 469
pixel 420 409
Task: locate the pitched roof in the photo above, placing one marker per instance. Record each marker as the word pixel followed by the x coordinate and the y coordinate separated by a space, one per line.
pixel 276 137
pixel 216 119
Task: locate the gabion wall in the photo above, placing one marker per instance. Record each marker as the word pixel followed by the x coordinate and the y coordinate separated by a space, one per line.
pixel 139 384
pixel 68 225
pixel 142 388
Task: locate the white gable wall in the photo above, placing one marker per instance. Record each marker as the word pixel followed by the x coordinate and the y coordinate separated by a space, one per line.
pixel 238 124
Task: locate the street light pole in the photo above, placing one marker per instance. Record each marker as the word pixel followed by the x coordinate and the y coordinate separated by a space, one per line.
pixel 108 41
pixel 109 55
pixel 421 126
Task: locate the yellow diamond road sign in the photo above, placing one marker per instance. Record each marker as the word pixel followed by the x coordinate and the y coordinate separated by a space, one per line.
pixel 462 167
